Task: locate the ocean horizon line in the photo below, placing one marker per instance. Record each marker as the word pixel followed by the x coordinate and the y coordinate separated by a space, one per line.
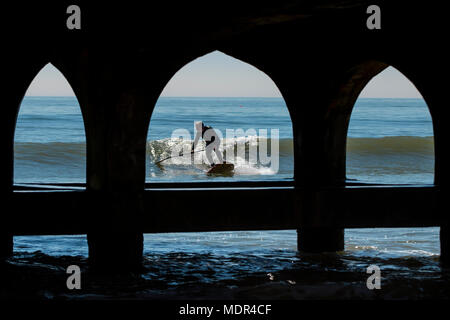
pixel 227 97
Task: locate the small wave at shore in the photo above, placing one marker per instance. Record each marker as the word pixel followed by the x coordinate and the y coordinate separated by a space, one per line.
pixel 250 264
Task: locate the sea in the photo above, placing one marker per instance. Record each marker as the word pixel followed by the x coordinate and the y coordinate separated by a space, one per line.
pixel 390 141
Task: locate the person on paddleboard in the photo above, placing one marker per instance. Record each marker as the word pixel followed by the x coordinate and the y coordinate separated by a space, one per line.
pixel 211 138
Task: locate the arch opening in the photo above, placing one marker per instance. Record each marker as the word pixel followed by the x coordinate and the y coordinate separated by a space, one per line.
pixel 390 135
pixel 49 140
pixel 241 103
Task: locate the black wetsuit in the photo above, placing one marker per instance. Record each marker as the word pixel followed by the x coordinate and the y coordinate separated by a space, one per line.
pixel 204 129
pixel 212 139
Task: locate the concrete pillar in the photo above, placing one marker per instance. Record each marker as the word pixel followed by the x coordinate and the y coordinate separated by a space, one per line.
pixel 11 102
pixel 442 179
pixel 116 173
pixel 117 118
pixel 316 168
pixel 113 251
pixel 6 245
pixel 319 148
pixel 434 93
pixel 316 232
pixel 311 239
pixel 444 237
pixel 114 237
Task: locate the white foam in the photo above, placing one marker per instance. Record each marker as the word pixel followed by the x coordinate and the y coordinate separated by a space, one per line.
pixel 252 170
pixel 163 148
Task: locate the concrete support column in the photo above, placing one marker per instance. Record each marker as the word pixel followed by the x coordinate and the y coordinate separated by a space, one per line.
pixel 116 174
pixel 115 238
pixel 319 148
pixel 323 108
pixel 8 121
pixel 444 237
pixel 442 179
pixel 316 232
pixel 433 91
pixel 320 239
pixel 6 237
pixel 112 251
pixel 117 117
pixel 6 245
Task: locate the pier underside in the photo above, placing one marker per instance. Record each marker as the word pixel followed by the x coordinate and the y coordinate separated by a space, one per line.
pixel 319 55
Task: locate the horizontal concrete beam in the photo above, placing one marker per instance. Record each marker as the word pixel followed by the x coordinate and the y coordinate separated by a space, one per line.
pixel 380 206
pixel 184 209
pixel 220 209
pixel 47 212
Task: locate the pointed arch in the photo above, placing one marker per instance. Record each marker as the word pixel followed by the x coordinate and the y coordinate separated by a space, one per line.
pixel 390 133
pixel 228 85
pixel 49 137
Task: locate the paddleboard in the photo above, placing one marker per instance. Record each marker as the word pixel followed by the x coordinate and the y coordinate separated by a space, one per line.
pixel 222 168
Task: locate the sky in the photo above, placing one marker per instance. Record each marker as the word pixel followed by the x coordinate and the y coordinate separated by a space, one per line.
pixel 219 75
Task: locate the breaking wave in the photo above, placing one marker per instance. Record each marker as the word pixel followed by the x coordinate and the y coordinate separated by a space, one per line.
pixel 403 145
pixel 236 150
pixel 374 156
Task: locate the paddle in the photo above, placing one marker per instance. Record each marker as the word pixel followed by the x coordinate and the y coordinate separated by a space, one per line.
pixel 158 162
